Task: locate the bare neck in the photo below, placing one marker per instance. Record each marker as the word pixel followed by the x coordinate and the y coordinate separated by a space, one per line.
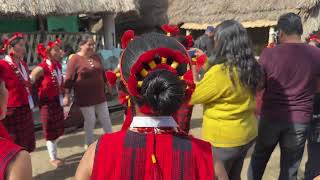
pixel 292 39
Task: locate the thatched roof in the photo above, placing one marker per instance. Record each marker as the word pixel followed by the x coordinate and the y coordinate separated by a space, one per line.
pixel 215 11
pixel 311 17
pixel 152 13
pixel 63 7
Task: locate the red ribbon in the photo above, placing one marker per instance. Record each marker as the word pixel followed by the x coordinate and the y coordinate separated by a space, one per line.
pixel 6 42
pixel 42 50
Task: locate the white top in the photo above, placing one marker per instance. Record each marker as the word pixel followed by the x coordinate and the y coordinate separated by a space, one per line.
pixel 153 121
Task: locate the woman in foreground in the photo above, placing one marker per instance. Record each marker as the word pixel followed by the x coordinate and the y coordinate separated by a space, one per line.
pixel 154 69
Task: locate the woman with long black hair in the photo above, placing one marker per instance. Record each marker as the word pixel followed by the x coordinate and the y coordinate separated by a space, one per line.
pixel 227 93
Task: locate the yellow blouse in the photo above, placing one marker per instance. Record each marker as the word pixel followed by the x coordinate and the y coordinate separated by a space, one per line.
pixel 228 119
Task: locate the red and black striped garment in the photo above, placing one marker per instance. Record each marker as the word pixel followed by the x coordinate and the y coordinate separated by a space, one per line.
pixel 19 123
pixel 52 118
pixel 8 150
pixel 128 155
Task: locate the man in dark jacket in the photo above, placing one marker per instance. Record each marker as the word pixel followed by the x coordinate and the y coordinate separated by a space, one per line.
pixel 205 42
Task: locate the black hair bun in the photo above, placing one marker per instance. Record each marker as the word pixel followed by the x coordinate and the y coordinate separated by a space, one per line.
pixel 163 91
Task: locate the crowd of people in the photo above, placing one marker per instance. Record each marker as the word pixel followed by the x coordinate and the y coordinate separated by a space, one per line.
pixel 247 102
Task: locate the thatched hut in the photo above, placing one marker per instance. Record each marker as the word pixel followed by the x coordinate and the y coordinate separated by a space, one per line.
pixel 25 8
pixel 198 14
pixel 311 16
pixel 41 9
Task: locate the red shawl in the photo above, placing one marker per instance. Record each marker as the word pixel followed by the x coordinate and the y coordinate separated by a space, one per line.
pixel 178 157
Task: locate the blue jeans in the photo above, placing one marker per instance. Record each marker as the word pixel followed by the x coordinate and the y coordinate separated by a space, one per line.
pixel 291 138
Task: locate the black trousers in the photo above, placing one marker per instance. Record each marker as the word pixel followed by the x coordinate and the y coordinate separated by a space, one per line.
pixel 312 167
pixel 291 138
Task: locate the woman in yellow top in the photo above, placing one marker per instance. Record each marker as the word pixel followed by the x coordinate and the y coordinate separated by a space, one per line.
pixel 227 93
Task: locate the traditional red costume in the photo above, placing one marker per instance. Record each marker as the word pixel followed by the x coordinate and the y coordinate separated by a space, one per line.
pixel 183 115
pixel 157 151
pixel 8 149
pixel 18 121
pixel 50 94
pixel 128 155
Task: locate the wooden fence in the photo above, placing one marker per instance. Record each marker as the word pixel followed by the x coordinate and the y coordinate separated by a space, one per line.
pixel 72 39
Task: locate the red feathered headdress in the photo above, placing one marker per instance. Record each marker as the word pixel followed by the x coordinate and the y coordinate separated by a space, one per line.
pixel 126 38
pixel 314 38
pixel 6 42
pixel 42 50
pixel 149 61
pixel 199 62
pixel 112 77
pixel 171 30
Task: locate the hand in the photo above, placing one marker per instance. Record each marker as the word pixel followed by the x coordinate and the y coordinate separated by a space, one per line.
pixel 66 100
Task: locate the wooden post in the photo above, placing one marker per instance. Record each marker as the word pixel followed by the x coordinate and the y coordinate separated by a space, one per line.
pixel 109 31
pixel 41 20
pixel 188 32
pixel 272 31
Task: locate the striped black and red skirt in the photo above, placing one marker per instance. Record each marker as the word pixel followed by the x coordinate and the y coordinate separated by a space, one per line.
pixel 52 118
pixel 19 124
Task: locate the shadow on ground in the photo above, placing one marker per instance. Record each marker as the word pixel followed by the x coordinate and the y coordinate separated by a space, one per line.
pixel 71 164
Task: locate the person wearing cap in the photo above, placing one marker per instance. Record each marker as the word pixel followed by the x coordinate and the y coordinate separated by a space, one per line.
pixel 18 120
pixel 15 162
pixel 155 70
pixel 205 42
pixel 49 80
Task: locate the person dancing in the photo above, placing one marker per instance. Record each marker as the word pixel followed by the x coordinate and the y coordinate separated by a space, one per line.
pixel 18 120
pixel 48 77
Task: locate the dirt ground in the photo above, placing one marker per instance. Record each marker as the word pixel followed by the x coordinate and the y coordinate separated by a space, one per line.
pixel 71 150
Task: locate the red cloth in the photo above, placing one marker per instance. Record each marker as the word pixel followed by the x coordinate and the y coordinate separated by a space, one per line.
pixel 19 124
pixel 8 151
pixel 18 96
pixel 52 118
pixel 127 155
pixel 47 87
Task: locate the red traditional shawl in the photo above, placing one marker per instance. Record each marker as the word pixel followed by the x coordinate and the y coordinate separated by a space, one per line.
pixel 128 155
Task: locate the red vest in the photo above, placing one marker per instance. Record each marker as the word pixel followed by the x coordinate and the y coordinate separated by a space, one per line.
pixel 128 155
pixel 48 88
pixel 18 95
pixel 8 151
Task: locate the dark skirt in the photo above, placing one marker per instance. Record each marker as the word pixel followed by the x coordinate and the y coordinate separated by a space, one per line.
pixel 52 118
pixel 19 123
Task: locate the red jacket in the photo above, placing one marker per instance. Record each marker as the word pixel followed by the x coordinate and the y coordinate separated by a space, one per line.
pixel 128 155
pixel 48 88
pixel 18 95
